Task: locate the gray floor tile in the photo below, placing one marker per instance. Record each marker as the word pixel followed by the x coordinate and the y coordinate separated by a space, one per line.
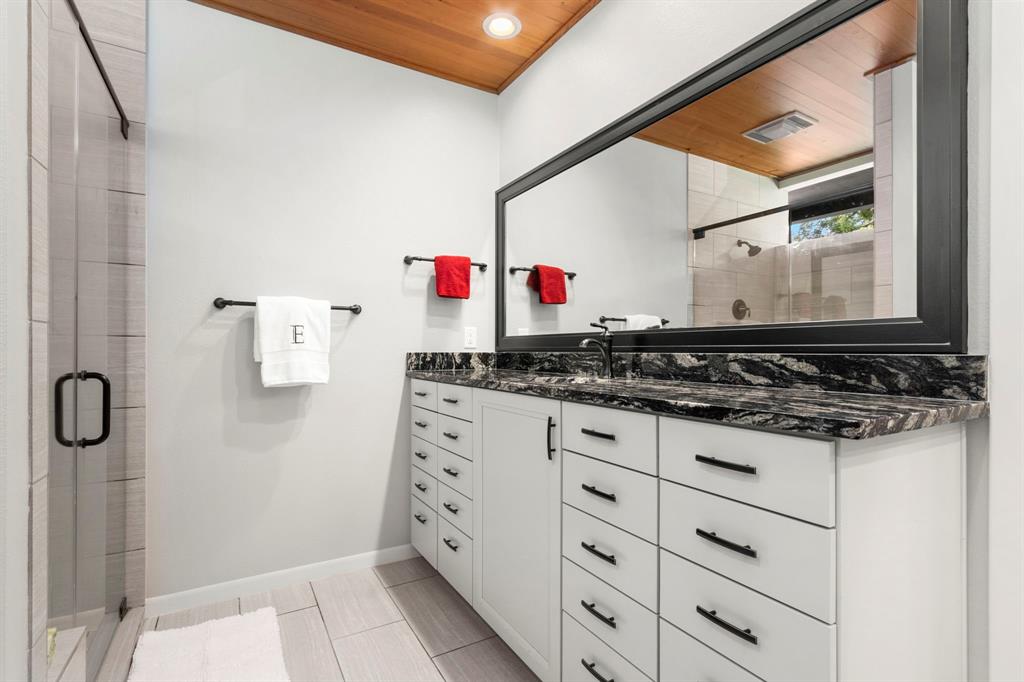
pixel 308 653
pixel 284 599
pixel 404 571
pixel 440 617
pixel 199 614
pixel 489 660
pixel 119 654
pixel 385 654
pixel 354 602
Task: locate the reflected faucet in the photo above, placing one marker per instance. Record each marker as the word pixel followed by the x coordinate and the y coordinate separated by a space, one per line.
pixel 604 345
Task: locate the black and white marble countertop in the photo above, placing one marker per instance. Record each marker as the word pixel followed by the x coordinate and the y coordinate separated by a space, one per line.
pixel 822 413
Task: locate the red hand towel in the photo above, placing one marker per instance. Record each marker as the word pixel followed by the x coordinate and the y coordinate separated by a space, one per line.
pixel 549 282
pixel 451 276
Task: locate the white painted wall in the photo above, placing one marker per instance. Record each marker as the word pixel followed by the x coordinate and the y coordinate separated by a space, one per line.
pixel 14 341
pixel 623 53
pixel 619 219
pixel 281 165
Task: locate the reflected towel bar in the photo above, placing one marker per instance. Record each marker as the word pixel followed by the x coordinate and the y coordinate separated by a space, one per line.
pixel 409 259
pixel 605 318
pixel 221 303
pixel 513 270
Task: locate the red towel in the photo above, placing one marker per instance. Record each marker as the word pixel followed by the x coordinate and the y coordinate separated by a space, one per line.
pixel 549 282
pixel 451 276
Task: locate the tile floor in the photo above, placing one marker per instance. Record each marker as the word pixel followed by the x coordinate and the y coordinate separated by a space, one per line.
pixel 399 621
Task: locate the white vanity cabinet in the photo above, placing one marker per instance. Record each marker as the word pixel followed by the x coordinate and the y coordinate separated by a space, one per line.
pixel 517 475
pixel 658 548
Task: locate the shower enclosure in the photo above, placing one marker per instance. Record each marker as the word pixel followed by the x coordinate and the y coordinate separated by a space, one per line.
pixel 87 510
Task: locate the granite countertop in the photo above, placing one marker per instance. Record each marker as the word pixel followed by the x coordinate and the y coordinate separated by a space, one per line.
pixel 815 412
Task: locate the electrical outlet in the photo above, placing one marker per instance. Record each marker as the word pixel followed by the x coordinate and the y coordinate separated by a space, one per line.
pixel 470 340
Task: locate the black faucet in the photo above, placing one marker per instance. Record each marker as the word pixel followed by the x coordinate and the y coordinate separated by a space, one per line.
pixel 604 345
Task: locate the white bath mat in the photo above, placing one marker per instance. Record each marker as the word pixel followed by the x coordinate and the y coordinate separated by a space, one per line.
pixel 244 648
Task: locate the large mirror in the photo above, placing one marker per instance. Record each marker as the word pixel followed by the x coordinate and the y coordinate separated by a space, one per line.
pixel 782 200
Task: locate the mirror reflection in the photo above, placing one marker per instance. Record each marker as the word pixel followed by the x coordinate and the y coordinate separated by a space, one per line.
pixel 786 196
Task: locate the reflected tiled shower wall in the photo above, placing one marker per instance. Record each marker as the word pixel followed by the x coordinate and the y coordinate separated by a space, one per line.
pixel 722 271
pixel 118 29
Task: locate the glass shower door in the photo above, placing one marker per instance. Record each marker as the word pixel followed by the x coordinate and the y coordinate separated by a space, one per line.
pixel 87 454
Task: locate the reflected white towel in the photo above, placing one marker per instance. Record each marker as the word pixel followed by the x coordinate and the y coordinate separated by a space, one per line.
pixel 643 322
pixel 292 340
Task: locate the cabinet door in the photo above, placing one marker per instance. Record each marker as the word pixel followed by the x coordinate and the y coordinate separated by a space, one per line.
pixel 516 519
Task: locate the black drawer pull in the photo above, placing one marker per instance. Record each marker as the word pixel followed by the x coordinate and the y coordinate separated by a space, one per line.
pixel 599 493
pixel 451 472
pixel 610 558
pixel 420 454
pixel 726 625
pixel 448 434
pixel 551 428
pixel 607 620
pixel 450 507
pixel 711 536
pixel 422 394
pixel 420 424
pixel 597 434
pixel 598 676
pixel 454 548
pixel 422 488
pixel 453 401
pixel 723 464
pixel 420 518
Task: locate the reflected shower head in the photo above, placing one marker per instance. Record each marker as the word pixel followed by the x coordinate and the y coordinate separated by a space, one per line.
pixel 752 249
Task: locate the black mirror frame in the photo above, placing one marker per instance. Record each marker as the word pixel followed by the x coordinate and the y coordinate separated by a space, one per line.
pixel 941 322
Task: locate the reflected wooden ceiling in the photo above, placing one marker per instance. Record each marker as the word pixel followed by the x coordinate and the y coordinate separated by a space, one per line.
pixel 827 78
pixel 444 38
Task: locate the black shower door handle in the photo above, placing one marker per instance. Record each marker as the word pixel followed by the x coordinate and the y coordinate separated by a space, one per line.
pixel 105 428
pixel 58 411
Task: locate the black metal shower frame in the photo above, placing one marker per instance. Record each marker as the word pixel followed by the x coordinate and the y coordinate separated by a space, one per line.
pixel 99 65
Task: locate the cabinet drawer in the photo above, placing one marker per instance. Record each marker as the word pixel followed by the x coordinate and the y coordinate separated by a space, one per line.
pixel 455 472
pixel 455 558
pixel 790 475
pixel 629 563
pixel 455 508
pixel 423 424
pixel 684 659
pixel 423 455
pixel 622 497
pixel 455 401
pixel 585 658
pixel 455 435
pixel 633 630
pixel 423 394
pixel 424 487
pixel 792 561
pixel 782 643
pixel 629 439
pixel 424 531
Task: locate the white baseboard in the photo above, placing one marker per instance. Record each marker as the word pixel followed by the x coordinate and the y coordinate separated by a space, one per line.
pixel 210 594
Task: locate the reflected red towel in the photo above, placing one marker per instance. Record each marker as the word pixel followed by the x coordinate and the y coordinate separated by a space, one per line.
pixel 549 282
pixel 451 276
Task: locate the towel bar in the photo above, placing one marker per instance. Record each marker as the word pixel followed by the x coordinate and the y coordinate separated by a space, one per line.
pixel 605 318
pixel 513 270
pixel 409 259
pixel 221 303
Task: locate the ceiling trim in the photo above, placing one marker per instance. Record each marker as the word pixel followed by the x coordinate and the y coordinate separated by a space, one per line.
pixel 582 12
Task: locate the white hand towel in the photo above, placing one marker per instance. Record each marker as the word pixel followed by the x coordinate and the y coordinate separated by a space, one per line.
pixel 292 340
pixel 643 322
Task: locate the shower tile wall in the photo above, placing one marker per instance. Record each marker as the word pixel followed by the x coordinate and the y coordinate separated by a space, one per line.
pixel 118 29
pixel 722 271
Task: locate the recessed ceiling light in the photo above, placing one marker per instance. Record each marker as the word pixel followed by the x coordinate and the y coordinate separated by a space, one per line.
pixel 502 25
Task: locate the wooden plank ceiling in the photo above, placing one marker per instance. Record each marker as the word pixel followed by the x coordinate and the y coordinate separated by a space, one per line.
pixel 826 78
pixel 444 38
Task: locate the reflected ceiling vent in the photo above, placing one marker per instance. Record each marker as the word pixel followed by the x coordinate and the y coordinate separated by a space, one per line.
pixel 783 126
